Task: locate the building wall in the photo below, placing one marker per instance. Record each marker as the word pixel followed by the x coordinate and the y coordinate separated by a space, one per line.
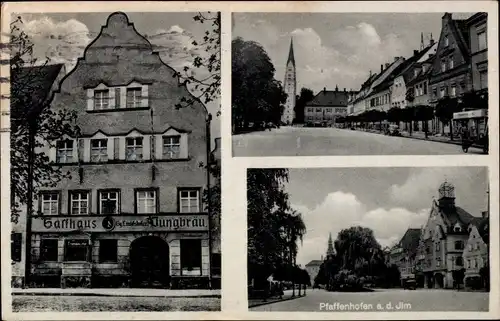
pixel 475 254
pixel 380 100
pixel 398 93
pixel 326 114
pixel 479 55
pixel 313 270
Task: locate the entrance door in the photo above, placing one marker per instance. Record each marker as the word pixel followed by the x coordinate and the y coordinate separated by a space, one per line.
pixel 149 261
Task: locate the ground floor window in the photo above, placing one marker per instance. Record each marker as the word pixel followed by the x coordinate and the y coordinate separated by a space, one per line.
pixel 108 251
pixel 191 257
pixel 76 250
pixel 49 250
pixel 16 246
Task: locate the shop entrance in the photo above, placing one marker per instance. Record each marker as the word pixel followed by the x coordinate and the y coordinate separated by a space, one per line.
pixel 149 262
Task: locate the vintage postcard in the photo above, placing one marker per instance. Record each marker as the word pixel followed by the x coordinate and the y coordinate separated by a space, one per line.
pixel 259 160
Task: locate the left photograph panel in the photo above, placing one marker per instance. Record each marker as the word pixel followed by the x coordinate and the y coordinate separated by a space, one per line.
pixel 115 161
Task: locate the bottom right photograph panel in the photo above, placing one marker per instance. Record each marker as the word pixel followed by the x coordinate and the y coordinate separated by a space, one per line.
pixel 368 239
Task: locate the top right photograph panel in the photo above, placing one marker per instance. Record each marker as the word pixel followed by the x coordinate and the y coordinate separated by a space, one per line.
pixel 314 84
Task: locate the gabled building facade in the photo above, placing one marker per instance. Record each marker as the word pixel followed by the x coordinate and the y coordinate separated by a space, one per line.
pixel 476 252
pixel 478 33
pixel 404 254
pixel 326 107
pixel 133 212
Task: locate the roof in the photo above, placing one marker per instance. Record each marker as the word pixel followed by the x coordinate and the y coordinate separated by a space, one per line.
pixel 314 262
pixel 291 56
pixel 36 80
pixel 482 225
pixel 330 98
pixel 410 240
pixel 456 214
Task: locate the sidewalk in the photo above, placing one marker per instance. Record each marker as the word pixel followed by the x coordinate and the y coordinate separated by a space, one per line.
pixel 122 292
pixel 287 295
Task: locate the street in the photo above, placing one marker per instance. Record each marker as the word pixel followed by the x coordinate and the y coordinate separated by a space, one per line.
pixel 305 141
pixel 398 299
pixel 47 303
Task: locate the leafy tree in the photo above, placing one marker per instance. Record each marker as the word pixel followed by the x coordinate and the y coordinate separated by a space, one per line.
pixel 444 111
pixel 256 96
pixel 206 87
pixel 306 95
pixel 424 113
pixel 33 124
pixel 394 115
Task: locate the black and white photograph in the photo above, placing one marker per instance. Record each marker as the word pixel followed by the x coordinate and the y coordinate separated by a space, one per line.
pixel 115 161
pixel 312 84
pixel 367 239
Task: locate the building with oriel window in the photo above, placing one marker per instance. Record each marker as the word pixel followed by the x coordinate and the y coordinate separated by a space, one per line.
pixel 133 212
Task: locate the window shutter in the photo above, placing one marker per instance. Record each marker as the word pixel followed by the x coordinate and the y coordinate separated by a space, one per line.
pixel 121 148
pixel 183 153
pixel 110 148
pixel 123 97
pixel 86 150
pixel 81 149
pixel 90 99
pixel 146 147
pixel 159 146
pixel 112 98
pixel 116 148
pixel 144 95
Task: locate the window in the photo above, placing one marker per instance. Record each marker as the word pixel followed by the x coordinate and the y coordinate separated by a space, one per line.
pixel 328 110
pixel 318 110
pixel 438 262
pixel 446 41
pixel 49 203
pixel 189 201
pixel 98 150
pixel 442 92
pixel 64 153
pixel 438 246
pixel 483 79
pixel 425 88
pixel 134 98
pixel 190 257
pixel 443 66
pixel 79 202
pixel 482 40
pixel 101 99
pixel 459 261
pixel 453 91
pixel 16 241
pixel 49 250
pixel 476 246
pixel 134 148
pixel 108 250
pixel 450 63
pixel 474 263
pixel 468 264
pixel 434 92
pixel 109 202
pixel 459 245
pixel 171 147
pixel 146 201
pixel 470 247
pixel 310 109
pixel 76 250
pixel 424 68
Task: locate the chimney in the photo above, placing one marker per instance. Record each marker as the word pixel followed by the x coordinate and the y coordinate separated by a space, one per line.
pixel 336 88
pixel 321 257
pixel 432 40
pixel 381 68
pixel 324 89
pixel 396 58
pixel 387 65
pixel 415 52
pixel 484 214
pixel 344 89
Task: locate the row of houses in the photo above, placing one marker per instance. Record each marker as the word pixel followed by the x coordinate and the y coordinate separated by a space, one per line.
pixel 133 211
pixel 452 247
pixel 455 64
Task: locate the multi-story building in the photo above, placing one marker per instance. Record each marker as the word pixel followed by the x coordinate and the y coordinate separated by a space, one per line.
pixel 357 104
pixel 476 252
pixel 326 107
pixel 44 81
pixel 132 212
pixel 477 25
pixel 404 253
pixel 312 269
pixel 290 87
pixel 443 240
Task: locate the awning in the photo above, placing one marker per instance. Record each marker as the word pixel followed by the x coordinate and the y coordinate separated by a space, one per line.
pixel 478 113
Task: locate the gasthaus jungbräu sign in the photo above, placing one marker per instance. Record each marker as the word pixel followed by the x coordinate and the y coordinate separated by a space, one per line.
pixel 118 223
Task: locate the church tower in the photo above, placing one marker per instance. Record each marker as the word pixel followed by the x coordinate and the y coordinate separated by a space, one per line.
pixel 330 250
pixel 290 87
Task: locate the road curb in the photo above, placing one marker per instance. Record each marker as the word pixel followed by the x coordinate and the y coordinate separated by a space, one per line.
pixel 271 302
pixel 113 295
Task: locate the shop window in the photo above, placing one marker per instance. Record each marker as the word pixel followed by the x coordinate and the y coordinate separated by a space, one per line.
pixel 64 151
pixel 171 147
pixel 134 97
pixel 16 241
pixel 191 257
pixel 49 250
pixel 459 245
pixel 459 261
pixel 79 202
pixel 101 99
pixel 146 201
pixel 189 201
pixel 482 40
pixel 76 250
pixel 98 150
pixel 134 148
pixel 109 202
pixel 49 203
pixel 108 250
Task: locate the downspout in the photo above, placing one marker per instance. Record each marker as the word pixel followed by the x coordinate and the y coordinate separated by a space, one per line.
pixel 209 207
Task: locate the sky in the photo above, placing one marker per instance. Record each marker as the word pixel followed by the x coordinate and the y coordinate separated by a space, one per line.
pixel 387 200
pixel 63 37
pixel 337 48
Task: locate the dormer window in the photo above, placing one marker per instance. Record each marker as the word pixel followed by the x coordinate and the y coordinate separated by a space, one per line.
pixel 171 147
pixel 134 97
pixel 99 150
pixel 64 153
pixel 457 228
pixel 134 148
pixel 424 68
pixel 415 72
pixel 101 99
pixel 446 41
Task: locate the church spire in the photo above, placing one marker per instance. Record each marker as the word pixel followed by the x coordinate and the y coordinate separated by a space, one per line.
pixel 290 54
pixel 330 251
pixel 421 41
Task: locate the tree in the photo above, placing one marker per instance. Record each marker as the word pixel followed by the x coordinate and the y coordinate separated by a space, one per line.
pixel 444 111
pixel 424 113
pixel 256 96
pixel 458 277
pixel 33 124
pixel 306 95
pixel 206 86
